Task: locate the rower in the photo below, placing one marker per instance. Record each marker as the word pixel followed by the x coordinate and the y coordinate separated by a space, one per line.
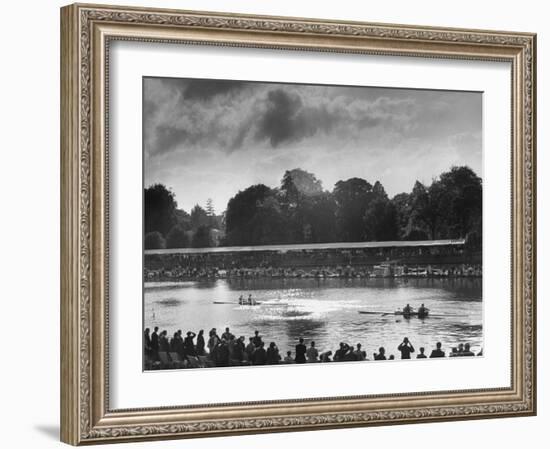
pixel 251 300
pixel 241 300
pixel 407 310
pixel 422 311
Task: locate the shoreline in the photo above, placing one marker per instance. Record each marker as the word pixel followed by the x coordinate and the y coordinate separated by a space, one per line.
pixel 169 278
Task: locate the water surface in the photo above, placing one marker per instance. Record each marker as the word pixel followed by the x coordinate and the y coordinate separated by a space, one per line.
pixel 324 310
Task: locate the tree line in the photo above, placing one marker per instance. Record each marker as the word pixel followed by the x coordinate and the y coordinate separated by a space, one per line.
pixel 300 210
pixel 167 226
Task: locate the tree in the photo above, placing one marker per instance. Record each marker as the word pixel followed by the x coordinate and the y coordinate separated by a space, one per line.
pixel 378 191
pixel 297 184
pixel 214 221
pixel 451 207
pixel 463 196
pixel 320 213
pixel 154 240
pixel 202 237
pixel 268 224
pixel 352 199
pixel 427 208
pixel 183 219
pixel 241 210
pixel 160 209
pixel 380 216
pixel 210 208
pixel 310 211
pixel 402 204
pixel 199 217
pixel 177 238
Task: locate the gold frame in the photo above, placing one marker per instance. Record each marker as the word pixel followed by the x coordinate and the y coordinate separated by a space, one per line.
pixel 86 31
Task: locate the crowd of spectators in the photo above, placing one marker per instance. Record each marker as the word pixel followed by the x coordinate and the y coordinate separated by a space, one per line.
pixel 285 258
pixel 182 272
pixel 213 350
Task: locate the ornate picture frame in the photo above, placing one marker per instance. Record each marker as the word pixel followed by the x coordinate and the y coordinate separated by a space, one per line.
pixel 86 34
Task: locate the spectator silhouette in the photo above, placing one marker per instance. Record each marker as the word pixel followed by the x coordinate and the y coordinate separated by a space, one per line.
pixel 467 351
pixel 164 344
pixel 200 343
pixel 189 344
pixel 381 354
pixel 257 339
pixel 155 344
pixel 406 348
pixel 272 354
pixel 147 342
pixel 288 357
pixel 300 352
pixel 227 335
pixel 312 353
pixel 359 354
pixel 260 355
pixel 437 352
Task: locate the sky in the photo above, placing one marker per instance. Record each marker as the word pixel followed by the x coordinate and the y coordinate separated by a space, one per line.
pixel 211 138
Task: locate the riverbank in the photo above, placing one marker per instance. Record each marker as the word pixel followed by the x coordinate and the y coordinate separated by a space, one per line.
pixel 179 273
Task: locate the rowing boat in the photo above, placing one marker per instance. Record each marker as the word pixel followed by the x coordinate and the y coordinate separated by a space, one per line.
pixel 229 302
pixel 397 312
pixel 411 314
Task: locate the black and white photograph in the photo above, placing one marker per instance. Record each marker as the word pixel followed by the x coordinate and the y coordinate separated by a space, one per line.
pixel 290 224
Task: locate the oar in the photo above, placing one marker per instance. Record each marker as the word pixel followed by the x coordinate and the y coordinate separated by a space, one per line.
pixel 366 312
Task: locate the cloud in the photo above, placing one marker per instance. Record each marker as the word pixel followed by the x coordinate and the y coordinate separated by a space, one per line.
pixel 205 89
pixel 168 137
pixel 232 115
pixel 285 119
pixel 237 133
pixel 279 123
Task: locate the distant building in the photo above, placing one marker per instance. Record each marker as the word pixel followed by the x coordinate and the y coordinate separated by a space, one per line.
pixel 216 235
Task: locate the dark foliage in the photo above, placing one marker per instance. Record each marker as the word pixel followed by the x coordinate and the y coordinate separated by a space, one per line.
pixel 202 237
pixel 154 240
pixel 301 211
pixel 160 209
pixel 177 238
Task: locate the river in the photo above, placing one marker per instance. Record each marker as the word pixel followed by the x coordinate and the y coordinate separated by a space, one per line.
pixel 324 310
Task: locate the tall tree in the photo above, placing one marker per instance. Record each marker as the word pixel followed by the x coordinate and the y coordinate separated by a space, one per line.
pixel 268 224
pixel 297 184
pixel 463 196
pixel 321 217
pixel 380 216
pixel 352 199
pixel 428 208
pixel 160 209
pixel 210 208
pixel 402 204
pixel 199 217
pixel 241 212
pixel 309 211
